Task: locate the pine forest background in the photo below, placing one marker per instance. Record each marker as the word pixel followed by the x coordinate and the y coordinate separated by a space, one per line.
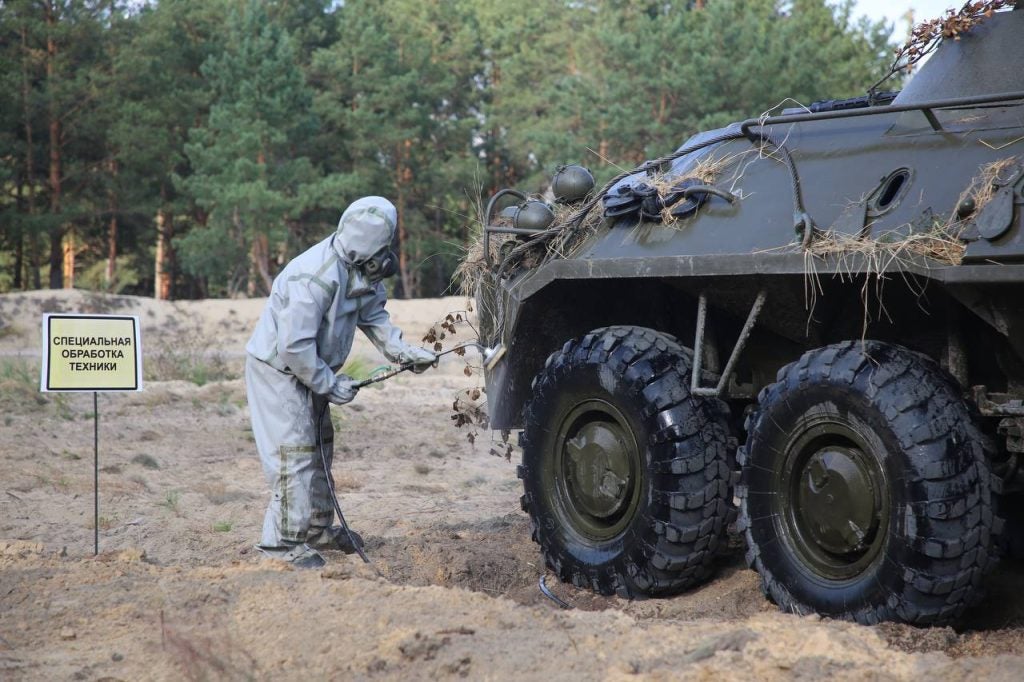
pixel 189 148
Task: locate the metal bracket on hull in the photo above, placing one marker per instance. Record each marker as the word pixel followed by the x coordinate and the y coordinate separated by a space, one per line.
pixel 741 342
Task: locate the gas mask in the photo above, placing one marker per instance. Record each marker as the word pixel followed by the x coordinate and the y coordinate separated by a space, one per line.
pixel 363 276
pixel 363 243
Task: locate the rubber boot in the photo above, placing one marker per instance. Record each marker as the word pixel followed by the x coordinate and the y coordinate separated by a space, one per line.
pixel 335 538
pixel 299 556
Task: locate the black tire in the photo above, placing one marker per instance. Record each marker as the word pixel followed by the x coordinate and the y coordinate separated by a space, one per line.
pixel 878 417
pixel 659 525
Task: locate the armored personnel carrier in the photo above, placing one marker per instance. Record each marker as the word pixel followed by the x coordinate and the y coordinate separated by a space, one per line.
pixel 811 324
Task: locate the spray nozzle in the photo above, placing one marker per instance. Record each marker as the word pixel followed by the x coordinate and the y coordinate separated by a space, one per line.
pixel 491 357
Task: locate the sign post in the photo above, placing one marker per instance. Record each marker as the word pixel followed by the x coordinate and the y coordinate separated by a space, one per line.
pixel 98 353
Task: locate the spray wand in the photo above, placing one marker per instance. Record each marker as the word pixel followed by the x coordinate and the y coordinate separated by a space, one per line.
pixel 491 358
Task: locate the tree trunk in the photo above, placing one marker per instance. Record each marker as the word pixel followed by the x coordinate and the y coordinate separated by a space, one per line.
pixel 263 264
pixel 163 262
pixel 56 259
pixel 250 280
pixel 30 173
pixel 417 275
pixel 403 176
pixel 260 280
pixel 403 266
pixel 170 258
pixel 57 230
pixel 161 278
pixel 68 246
pixel 36 278
pixel 19 261
pixel 112 231
pixel 19 279
pixel 18 231
pixel 259 267
pixel 112 249
pixel 252 274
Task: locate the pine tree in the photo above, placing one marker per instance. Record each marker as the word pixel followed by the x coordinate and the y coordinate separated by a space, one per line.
pixel 156 95
pixel 188 148
pixel 613 83
pixel 53 50
pixel 244 174
pixel 397 96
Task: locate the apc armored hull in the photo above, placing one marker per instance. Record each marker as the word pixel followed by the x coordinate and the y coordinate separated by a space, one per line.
pixel 825 343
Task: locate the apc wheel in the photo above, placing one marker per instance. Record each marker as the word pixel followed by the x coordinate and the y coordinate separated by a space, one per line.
pixel 626 476
pixel 865 493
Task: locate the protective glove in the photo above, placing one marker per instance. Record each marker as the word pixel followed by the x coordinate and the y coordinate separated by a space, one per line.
pixel 343 390
pixel 421 358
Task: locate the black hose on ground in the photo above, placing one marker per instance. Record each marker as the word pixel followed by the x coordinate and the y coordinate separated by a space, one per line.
pixel 546 591
pixel 330 481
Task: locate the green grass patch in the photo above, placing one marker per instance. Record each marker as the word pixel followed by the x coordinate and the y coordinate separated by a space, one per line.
pixel 9 331
pixel 63 406
pixel 145 461
pixel 105 522
pixel 171 500
pixel 19 384
pixel 359 369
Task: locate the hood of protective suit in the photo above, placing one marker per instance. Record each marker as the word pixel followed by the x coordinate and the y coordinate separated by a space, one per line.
pixel 366 227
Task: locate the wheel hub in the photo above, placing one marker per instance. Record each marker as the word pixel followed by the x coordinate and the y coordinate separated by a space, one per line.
pixel 836 503
pixel 598 468
pixel 833 502
pixel 598 471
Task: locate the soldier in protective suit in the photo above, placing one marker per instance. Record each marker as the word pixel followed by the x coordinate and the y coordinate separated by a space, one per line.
pixel 302 339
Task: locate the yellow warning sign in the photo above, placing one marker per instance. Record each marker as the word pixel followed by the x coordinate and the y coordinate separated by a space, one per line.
pixel 91 353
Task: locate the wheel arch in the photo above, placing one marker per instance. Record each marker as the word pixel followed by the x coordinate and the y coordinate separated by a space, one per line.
pixel 568 308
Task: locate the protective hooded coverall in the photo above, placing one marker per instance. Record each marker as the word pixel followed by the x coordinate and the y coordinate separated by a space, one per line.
pixel 303 337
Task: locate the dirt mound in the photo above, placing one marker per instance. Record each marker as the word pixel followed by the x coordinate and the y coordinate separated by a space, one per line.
pixel 119 617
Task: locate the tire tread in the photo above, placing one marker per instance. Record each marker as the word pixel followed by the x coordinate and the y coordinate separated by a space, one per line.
pixel 691 484
pixel 954 525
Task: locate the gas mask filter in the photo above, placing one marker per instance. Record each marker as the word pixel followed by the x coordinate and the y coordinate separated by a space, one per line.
pixel 380 265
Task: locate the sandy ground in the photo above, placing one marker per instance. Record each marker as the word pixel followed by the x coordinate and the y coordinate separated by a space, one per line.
pixel 178 592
